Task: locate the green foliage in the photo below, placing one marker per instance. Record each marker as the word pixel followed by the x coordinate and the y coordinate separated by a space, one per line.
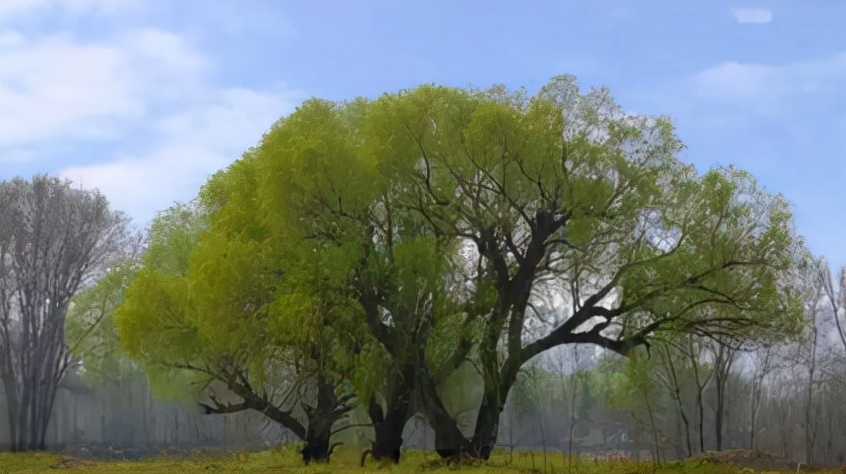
pixel 433 217
pixel 153 319
pixel 373 366
pixel 90 327
pixel 624 383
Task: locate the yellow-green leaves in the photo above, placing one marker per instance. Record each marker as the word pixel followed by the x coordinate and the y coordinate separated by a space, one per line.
pixel 427 214
pixel 231 283
pixel 312 160
pixel 372 366
pixel 152 319
pixel 90 327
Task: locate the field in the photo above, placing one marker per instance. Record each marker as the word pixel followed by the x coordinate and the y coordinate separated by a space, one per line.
pixel 287 460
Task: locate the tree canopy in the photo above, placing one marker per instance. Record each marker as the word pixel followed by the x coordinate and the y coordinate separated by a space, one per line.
pixel 388 241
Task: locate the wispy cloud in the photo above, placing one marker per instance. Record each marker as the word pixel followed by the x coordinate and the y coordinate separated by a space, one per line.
pixel 752 15
pixel 782 121
pixel 195 143
pixel 15 9
pixel 135 113
pixel 60 87
pixel 767 87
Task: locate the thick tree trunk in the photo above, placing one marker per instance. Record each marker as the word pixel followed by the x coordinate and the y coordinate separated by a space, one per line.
pixel 487 427
pixel 29 413
pixel 450 442
pixel 320 421
pixel 388 426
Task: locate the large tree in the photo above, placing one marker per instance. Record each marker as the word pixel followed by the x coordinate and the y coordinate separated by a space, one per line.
pixel 204 337
pixel 330 214
pixel 566 193
pixel 422 229
pixel 53 239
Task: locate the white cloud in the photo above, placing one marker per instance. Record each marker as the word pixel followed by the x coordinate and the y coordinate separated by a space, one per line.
pixel 234 116
pixel 198 142
pixel 143 97
pixel 752 15
pixel 767 87
pixel 17 8
pixel 58 86
pixel 140 186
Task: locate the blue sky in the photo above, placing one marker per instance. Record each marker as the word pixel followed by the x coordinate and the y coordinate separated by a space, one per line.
pixel 145 99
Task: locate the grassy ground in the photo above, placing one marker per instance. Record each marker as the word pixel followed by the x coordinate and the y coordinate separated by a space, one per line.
pixel 286 460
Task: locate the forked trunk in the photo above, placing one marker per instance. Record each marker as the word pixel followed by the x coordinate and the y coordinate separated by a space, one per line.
pixel 320 421
pixel 450 442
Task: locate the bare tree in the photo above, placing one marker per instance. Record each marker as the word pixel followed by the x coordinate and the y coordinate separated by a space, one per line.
pixel 694 352
pixel 725 353
pixel 53 238
pixel 669 377
pixel 810 425
pixel 836 297
pixel 762 364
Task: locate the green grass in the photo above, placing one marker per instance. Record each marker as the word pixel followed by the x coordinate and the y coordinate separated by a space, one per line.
pixel 287 460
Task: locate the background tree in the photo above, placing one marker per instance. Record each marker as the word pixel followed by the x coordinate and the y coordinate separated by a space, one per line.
pixel 836 298
pixel 53 239
pixel 91 333
pixel 670 373
pixel 762 365
pixel 627 385
pixel 724 355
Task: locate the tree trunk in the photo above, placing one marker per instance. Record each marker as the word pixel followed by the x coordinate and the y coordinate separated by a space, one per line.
pixel 487 425
pixel 724 356
pixel 810 434
pixel 700 388
pixel 12 403
pixel 763 368
pixel 320 421
pixel 29 413
pixel 654 428
pixel 388 426
pixel 676 395
pixel 450 442
pixel 718 415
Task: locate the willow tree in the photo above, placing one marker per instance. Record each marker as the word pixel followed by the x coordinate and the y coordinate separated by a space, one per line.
pixel 358 260
pixel 196 317
pixel 53 240
pixel 240 269
pixel 565 193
